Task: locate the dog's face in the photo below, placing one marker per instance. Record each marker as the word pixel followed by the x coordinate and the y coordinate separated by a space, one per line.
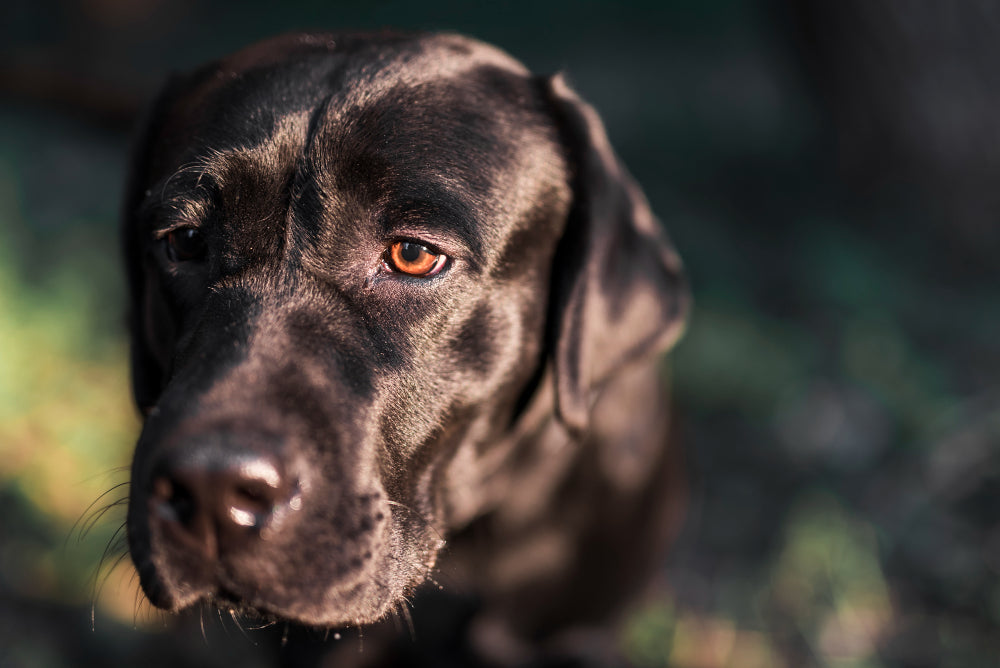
pixel 354 262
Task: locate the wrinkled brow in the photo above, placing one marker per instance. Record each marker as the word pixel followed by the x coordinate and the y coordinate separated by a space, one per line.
pixel 187 195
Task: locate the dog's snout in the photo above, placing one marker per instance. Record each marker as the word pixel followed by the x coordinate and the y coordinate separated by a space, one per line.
pixel 216 501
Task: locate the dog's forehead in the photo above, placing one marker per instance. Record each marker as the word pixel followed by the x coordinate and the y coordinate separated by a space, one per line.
pixel 439 123
pixel 232 102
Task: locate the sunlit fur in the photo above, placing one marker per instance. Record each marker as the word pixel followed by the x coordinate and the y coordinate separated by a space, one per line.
pixel 478 407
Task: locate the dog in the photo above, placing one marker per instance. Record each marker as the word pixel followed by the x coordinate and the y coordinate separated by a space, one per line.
pixel 395 311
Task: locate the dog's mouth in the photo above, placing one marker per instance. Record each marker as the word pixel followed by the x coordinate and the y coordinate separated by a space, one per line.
pixel 227 599
pixel 297 571
pixel 224 597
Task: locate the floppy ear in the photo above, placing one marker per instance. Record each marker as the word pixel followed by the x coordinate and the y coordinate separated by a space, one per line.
pixel 618 293
pixel 150 325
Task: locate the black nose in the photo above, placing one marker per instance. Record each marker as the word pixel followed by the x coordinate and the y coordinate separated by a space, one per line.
pixel 215 501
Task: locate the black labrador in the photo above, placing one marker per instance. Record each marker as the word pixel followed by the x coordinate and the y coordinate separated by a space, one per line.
pixel 396 308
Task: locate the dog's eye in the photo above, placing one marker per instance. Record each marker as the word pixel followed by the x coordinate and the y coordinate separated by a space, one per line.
pixel 411 258
pixel 185 244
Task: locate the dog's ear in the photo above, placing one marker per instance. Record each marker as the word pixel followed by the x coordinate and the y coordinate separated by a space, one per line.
pixel 150 326
pixel 618 292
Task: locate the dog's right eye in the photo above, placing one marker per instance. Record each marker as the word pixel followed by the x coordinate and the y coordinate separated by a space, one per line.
pixel 185 244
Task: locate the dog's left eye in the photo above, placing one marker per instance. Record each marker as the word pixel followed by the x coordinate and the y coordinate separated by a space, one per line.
pixel 413 259
pixel 185 244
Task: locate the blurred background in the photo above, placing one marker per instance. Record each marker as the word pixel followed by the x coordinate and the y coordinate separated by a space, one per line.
pixel 830 172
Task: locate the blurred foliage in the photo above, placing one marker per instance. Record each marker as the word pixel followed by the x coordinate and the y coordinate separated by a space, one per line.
pixel 66 420
pixel 836 391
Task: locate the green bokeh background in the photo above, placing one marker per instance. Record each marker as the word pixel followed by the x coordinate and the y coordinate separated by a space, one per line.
pixel 836 392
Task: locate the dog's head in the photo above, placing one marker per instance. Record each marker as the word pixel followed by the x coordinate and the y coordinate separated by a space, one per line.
pixel 354 262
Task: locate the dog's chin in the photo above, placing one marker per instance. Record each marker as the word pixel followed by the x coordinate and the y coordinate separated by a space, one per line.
pixel 363 596
pixel 359 605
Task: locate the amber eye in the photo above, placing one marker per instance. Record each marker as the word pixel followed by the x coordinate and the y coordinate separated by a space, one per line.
pixel 185 244
pixel 413 259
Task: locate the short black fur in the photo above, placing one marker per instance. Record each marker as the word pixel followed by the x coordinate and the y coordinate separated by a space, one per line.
pixel 323 432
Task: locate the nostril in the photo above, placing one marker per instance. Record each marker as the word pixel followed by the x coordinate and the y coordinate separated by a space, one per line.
pixel 215 500
pixel 175 501
pixel 252 496
pixel 253 502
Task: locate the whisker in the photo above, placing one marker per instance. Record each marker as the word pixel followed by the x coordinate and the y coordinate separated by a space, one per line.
pixel 136 605
pixel 396 619
pixel 222 622
pixel 107 577
pixel 404 608
pixel 107 472
pixel 96 518
pixel 201 622
pixel 239 626
pixel 427 523
pixel 132 578
pixel 115 543
pixel 87 510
